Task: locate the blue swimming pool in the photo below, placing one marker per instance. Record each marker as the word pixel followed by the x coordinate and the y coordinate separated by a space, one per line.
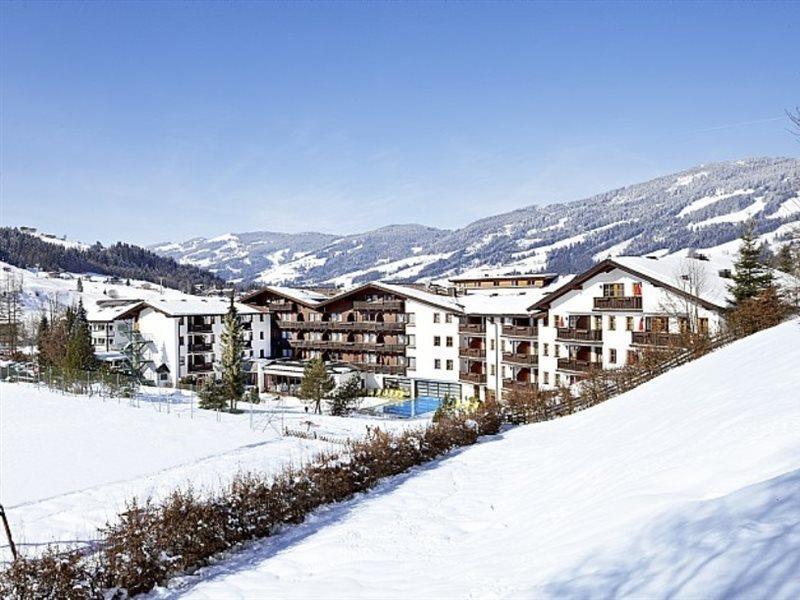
pixel 413 408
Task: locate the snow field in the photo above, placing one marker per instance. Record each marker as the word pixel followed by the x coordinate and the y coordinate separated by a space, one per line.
pixel 685 487
pixel 69 463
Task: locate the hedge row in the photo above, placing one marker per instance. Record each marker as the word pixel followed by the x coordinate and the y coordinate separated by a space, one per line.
pixel 150 543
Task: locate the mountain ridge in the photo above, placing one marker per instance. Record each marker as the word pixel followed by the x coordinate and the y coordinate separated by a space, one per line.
pixel 698 208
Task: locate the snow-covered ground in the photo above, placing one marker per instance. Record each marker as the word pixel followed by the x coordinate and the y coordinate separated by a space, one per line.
pixel 686 487
pixel 69 463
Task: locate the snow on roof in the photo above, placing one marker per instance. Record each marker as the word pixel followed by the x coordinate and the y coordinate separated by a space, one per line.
pixel 671 270
pixel 195 305
pixel 506 273
pixel 110 312
pixel 448 302
pixel 299 294
pixel 508 302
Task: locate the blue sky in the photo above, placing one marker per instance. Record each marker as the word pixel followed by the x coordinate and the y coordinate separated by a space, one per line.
pixel 158 121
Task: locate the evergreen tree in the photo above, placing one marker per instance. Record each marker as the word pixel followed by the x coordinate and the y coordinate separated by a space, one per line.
pixel 211 395
pixel 79 353
pixel 42 338
pixel 231 361
pixel 316 384
pixel 786 260
pixel 345 397
pixel 750 276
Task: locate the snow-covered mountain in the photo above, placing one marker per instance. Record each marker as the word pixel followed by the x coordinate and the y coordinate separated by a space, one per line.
pixel 700 208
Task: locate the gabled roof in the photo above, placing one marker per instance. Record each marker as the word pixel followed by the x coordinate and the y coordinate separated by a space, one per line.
pixel 307 298
pixel 449 303
pixel 664 272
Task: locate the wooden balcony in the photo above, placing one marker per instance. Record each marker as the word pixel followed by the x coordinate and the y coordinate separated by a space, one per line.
pixel 379 305
pixel 201 368
pixel 569 334
pixel 472 328
pixel 199 327
pixel 345 346
pixel 523 331
pixel 618 303
pixel 520 358
pixel 342 326
pixel 478 378
pixel 518 386
pixel 384 369
pixel 577 366
pixel 201 347
pixel 657 338
pixel 280 306
pixel 464 352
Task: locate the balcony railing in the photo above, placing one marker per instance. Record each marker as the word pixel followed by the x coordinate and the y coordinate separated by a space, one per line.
pixel 657 338
pixel 472 328
pixel 200 327
pixel 578 366
pixel 349 346
pixel 472 377
pixel 520 358
pixel 342 326
pixel 520 331
pixel 618 303
pixel 280 305
pixel 471 352
pixel 375 368
pixel 521 386
pixel 201 367
pixel 200 347
pixel 378 305
pixel 569 334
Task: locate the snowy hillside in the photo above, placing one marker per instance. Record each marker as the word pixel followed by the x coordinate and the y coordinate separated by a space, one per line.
pixel 685 487
pixel 703 207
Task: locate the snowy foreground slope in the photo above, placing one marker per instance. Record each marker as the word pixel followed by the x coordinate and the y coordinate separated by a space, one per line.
pixel 69 463
pixel 688 487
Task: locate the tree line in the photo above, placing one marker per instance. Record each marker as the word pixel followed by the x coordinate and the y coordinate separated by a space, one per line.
pixel 121 260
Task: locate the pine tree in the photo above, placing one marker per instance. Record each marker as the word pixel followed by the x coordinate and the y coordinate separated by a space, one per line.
pixel 79 353
pixel 346 397
pixel 750 276
pixel 231 361
pixel 211 395
pixel 42 338
pixel 316 384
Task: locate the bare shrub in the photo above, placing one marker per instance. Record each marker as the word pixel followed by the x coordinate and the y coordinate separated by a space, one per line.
pixel 55 574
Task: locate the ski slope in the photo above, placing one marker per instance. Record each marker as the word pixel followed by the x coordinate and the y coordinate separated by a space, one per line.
pixel 686 487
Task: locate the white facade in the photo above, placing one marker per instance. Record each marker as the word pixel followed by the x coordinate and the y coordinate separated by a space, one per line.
pixel 432 343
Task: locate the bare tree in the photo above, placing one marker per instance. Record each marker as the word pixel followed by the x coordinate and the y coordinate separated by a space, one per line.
pixel 794 118
pixel 11 324
pixel 691 279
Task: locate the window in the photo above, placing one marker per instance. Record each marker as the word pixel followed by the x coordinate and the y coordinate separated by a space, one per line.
pixel 556 350
pixel 492 370
pixel 449 365
pixel 180 341
pixel 628 323
pixel 437 363
pixel 261 353
pixel 412 363
pixel 411 318
pixel 612 323
pixel 437 340
pixel 702 325
pixel 412 340
pixel 448 341
pixel 448 318
pixel 261 335
pixel 558 378
pixel 637 288
pixel 546 377
pixel 437 317
pixel 491 345
pixel 598 322
pixel 613 290
pixel 546 349
pixel 612 356
pixel 553 321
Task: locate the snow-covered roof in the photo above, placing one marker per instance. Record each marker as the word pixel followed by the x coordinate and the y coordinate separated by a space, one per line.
pixel 308 297
pixel 507 302
pixel 195 305
pixel 107 312
pixel 506 273
pixel 448 302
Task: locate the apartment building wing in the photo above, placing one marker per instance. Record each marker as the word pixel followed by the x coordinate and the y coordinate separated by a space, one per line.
pixel 499 340
pixel 604 316
pixel 495 280
pixel 110 322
